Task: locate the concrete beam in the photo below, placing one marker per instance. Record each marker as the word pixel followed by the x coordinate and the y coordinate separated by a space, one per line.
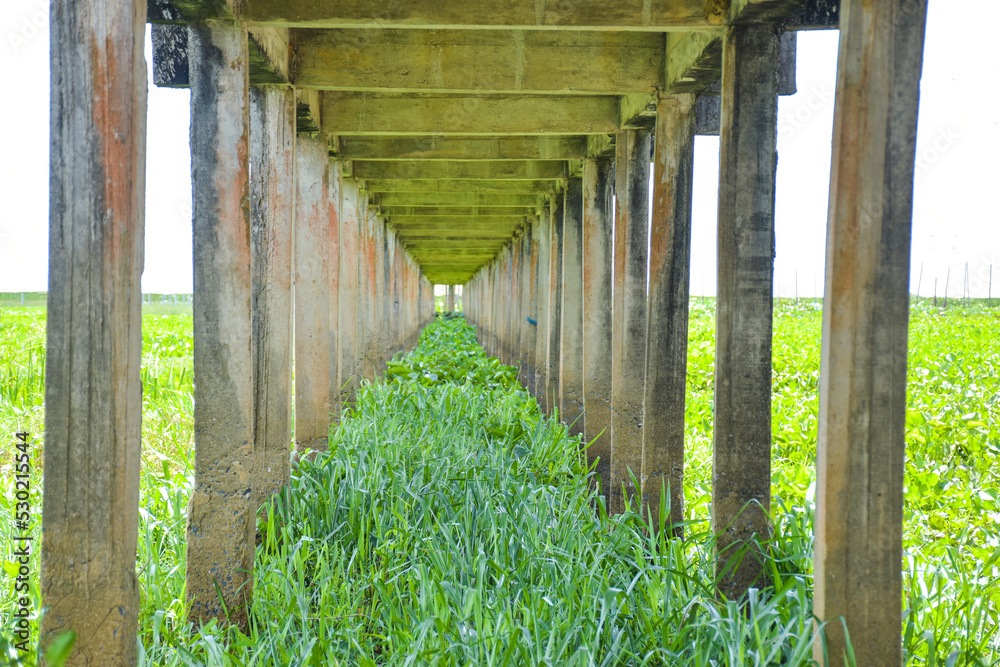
pixel 384 114
pixel 479 61
pixel 461 199
pixel 755 11
pixel 515 147
pixel 460 170
pixel 651 15
pixel 401 213
pixel 454 222
pixel 694 61
pixel 93 394
pixel 427 186
pixel 221 521
pixel 862 410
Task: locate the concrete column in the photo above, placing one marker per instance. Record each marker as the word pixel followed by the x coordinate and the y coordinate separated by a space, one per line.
pixel 741 476
pixel 598 223
pixel 862 409
pixel 370 299
pixel 527 347
pixel 628 369
pixel 531 278
pixel 272 210
pixel 555 305
pixel 347 304
pixel 312 295
pixel 449 299
pixel 93 397
pixel 669 296
pixel 571 331
pixel 334 179
pixel 544 297
pixel 220 524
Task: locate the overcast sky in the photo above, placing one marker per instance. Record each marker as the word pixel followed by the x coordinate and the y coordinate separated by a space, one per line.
pixel 955 216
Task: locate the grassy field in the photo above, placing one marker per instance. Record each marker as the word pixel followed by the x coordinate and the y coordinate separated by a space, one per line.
pixel 452 523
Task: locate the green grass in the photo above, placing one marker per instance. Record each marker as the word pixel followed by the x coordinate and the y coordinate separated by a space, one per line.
pixel 451 523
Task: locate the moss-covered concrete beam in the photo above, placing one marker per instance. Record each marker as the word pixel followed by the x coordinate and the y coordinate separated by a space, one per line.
pixel 436 199
pixel 651 15
pixel 750 11
pixel 479 61
pixel 387 114
pixel 505 223
pixel 694 61
pixel 429 186
pixel 446 212
pixel 463 170
pixel 516 147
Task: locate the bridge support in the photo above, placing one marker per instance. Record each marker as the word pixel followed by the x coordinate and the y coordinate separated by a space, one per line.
pixel 862 410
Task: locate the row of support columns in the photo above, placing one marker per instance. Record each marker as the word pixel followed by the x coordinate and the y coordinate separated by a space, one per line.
pixel 298 238
pixel 584 308
pixel 288 260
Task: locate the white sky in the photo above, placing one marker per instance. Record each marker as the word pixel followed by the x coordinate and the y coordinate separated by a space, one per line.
pixel 955 217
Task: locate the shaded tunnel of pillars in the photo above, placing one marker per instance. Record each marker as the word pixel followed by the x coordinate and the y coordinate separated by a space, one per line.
pixel 332 188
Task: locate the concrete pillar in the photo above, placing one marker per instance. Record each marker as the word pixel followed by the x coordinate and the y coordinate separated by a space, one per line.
pixel 312 295
pixel 741 475
pixel 543 290
pixel 93 397
pixel 862 409
pixel 628 364
pixel 527 346
pixel 220 524
pixel 571 330
pixel 531 278
pixel 449 299
pixel 555 304
pixel 347 304
pixel 598 223
pixel 272 210
pixel 370 298
pixel 334 179
pixel 669 296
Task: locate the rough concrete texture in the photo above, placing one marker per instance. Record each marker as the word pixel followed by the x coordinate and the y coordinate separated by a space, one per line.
pixel 628 369
pixel 862 410
pixel 741 475
pixel 669 295
pixel 312 295
pixel 348 300
pixel 93 399
pixel 544 297
pixel 555 306
pixel 220 544
pixel 598 226
pixel 571 332
pixel 272 197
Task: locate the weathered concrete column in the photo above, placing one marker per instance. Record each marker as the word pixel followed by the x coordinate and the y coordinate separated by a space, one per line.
pixel 555 304
pixel 334 179
pixel 527 347
pixel 347 328
pixel 531 278
pixel 93 397
pixel 368 302
pixel 598 223
pixel 220 525
pixel 862 409
pixel 628 365
pixel 571 330
pixel 272 201
pixel 449 299
pixel 669 296
pixel 312 295
pixel 741 476
pixel 543 290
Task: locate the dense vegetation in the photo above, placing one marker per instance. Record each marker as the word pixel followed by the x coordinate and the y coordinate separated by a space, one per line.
pixel 451 523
